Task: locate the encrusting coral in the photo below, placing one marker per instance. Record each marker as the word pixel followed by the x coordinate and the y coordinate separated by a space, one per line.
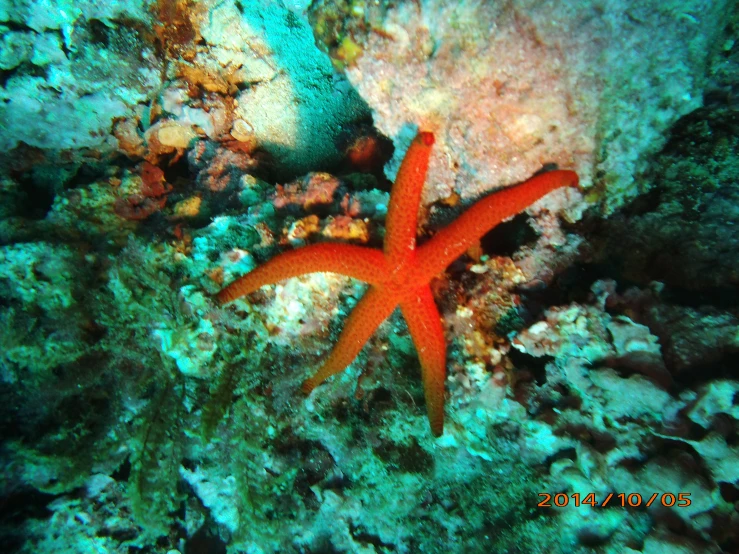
pixel 401 274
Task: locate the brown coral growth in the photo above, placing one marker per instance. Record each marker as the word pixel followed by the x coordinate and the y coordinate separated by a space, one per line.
pixel 315 189
pixel 151 199
pixel 176 31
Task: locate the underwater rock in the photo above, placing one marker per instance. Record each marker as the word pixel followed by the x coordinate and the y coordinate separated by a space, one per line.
pixel 637 349
pixel 292 101
pixel 75 69
pixel 695 339
pixel 508 88
pixel 681 232
pixel 83 67
pixel 714 399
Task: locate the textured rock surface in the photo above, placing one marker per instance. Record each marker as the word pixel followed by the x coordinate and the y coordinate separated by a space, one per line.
pixel 683 232
pixel 510 87
pixel 72 69
pixel 294 104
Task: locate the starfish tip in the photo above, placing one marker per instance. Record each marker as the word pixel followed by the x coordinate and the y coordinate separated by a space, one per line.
pixel 574 180
pixel 308 386
pixel 221 298
pixel 427 138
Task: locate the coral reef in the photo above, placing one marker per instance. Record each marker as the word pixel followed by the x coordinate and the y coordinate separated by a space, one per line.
pixel 152 152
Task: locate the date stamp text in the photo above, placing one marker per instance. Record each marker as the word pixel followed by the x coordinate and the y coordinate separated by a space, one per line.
pixel 632 500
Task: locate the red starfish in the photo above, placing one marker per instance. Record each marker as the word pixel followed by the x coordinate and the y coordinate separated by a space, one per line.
pixel 400 275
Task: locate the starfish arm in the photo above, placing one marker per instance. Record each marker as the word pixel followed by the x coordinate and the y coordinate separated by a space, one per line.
pixel 402 212
pixel 453 240
pixel 365 264
pixel 424 323
pixel 374 308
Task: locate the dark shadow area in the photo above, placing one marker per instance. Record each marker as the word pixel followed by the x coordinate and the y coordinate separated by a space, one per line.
pixel 533 364
pixel 508 237
pixel 16 507
pixel 205 541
